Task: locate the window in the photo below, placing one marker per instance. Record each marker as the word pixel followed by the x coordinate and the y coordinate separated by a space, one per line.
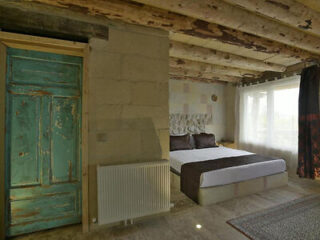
pixel 269 114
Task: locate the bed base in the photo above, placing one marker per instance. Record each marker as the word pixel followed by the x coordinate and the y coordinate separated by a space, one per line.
pixel 211 195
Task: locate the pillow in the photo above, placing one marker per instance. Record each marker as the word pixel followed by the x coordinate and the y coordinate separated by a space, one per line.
pixel 192 142
pixel 180 142
pixel 204 140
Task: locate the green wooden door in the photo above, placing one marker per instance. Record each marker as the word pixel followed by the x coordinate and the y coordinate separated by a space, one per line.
pixel 43 154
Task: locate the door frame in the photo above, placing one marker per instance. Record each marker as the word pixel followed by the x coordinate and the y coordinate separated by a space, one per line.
pixel 49 45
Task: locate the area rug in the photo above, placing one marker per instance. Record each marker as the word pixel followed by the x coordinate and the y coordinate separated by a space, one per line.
pixel 295 220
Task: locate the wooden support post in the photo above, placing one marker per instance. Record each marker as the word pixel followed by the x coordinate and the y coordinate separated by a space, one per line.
pixel 3 70
pixel 85 142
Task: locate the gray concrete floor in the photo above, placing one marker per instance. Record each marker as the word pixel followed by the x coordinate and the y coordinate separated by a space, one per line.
pixel 181 222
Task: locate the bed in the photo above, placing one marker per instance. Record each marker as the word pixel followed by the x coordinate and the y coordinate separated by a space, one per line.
pixel 221 173
pixel 228 182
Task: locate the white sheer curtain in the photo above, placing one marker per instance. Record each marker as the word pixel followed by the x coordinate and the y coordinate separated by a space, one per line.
pixel 268 119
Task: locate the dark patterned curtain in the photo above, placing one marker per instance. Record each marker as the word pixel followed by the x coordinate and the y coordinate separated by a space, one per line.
pixel 309 124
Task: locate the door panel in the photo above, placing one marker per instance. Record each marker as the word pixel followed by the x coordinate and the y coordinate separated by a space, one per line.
pixel 43 153
pixel 41 91
pixel 65 122
pixel 53 71
pixel 24 152
pixel 34 210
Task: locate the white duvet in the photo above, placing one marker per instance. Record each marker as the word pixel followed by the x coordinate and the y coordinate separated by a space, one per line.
pixel 226 175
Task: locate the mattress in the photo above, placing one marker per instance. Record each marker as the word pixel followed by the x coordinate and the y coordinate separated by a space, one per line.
pixel 226 175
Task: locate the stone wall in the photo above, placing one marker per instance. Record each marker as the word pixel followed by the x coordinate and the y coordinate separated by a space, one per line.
pixel 128 100
pixel 230 96
pixel 192 98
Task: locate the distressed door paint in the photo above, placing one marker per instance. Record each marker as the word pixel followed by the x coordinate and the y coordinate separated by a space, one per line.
pixel 43 154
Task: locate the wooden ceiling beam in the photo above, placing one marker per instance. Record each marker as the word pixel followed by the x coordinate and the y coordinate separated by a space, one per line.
pixel 195 79
pixel 313 4
pixel 210 68
pixel 289 12
pixel 200 54
pixel 41 24
pixel 204 75
pixel 152 17
pixel 220 12
pixel 292 70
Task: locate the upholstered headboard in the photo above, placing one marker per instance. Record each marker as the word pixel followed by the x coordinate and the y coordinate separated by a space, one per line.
pixel 188 123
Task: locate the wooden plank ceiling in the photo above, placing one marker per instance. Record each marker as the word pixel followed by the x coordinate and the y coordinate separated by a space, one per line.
pixel 215 40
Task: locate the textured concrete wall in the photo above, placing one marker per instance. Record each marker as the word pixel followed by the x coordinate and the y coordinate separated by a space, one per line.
pixel 128 100
pixel 193 97
pixel 230 96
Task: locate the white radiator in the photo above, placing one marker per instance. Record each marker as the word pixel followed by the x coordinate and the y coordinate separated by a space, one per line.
pixel 132 190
